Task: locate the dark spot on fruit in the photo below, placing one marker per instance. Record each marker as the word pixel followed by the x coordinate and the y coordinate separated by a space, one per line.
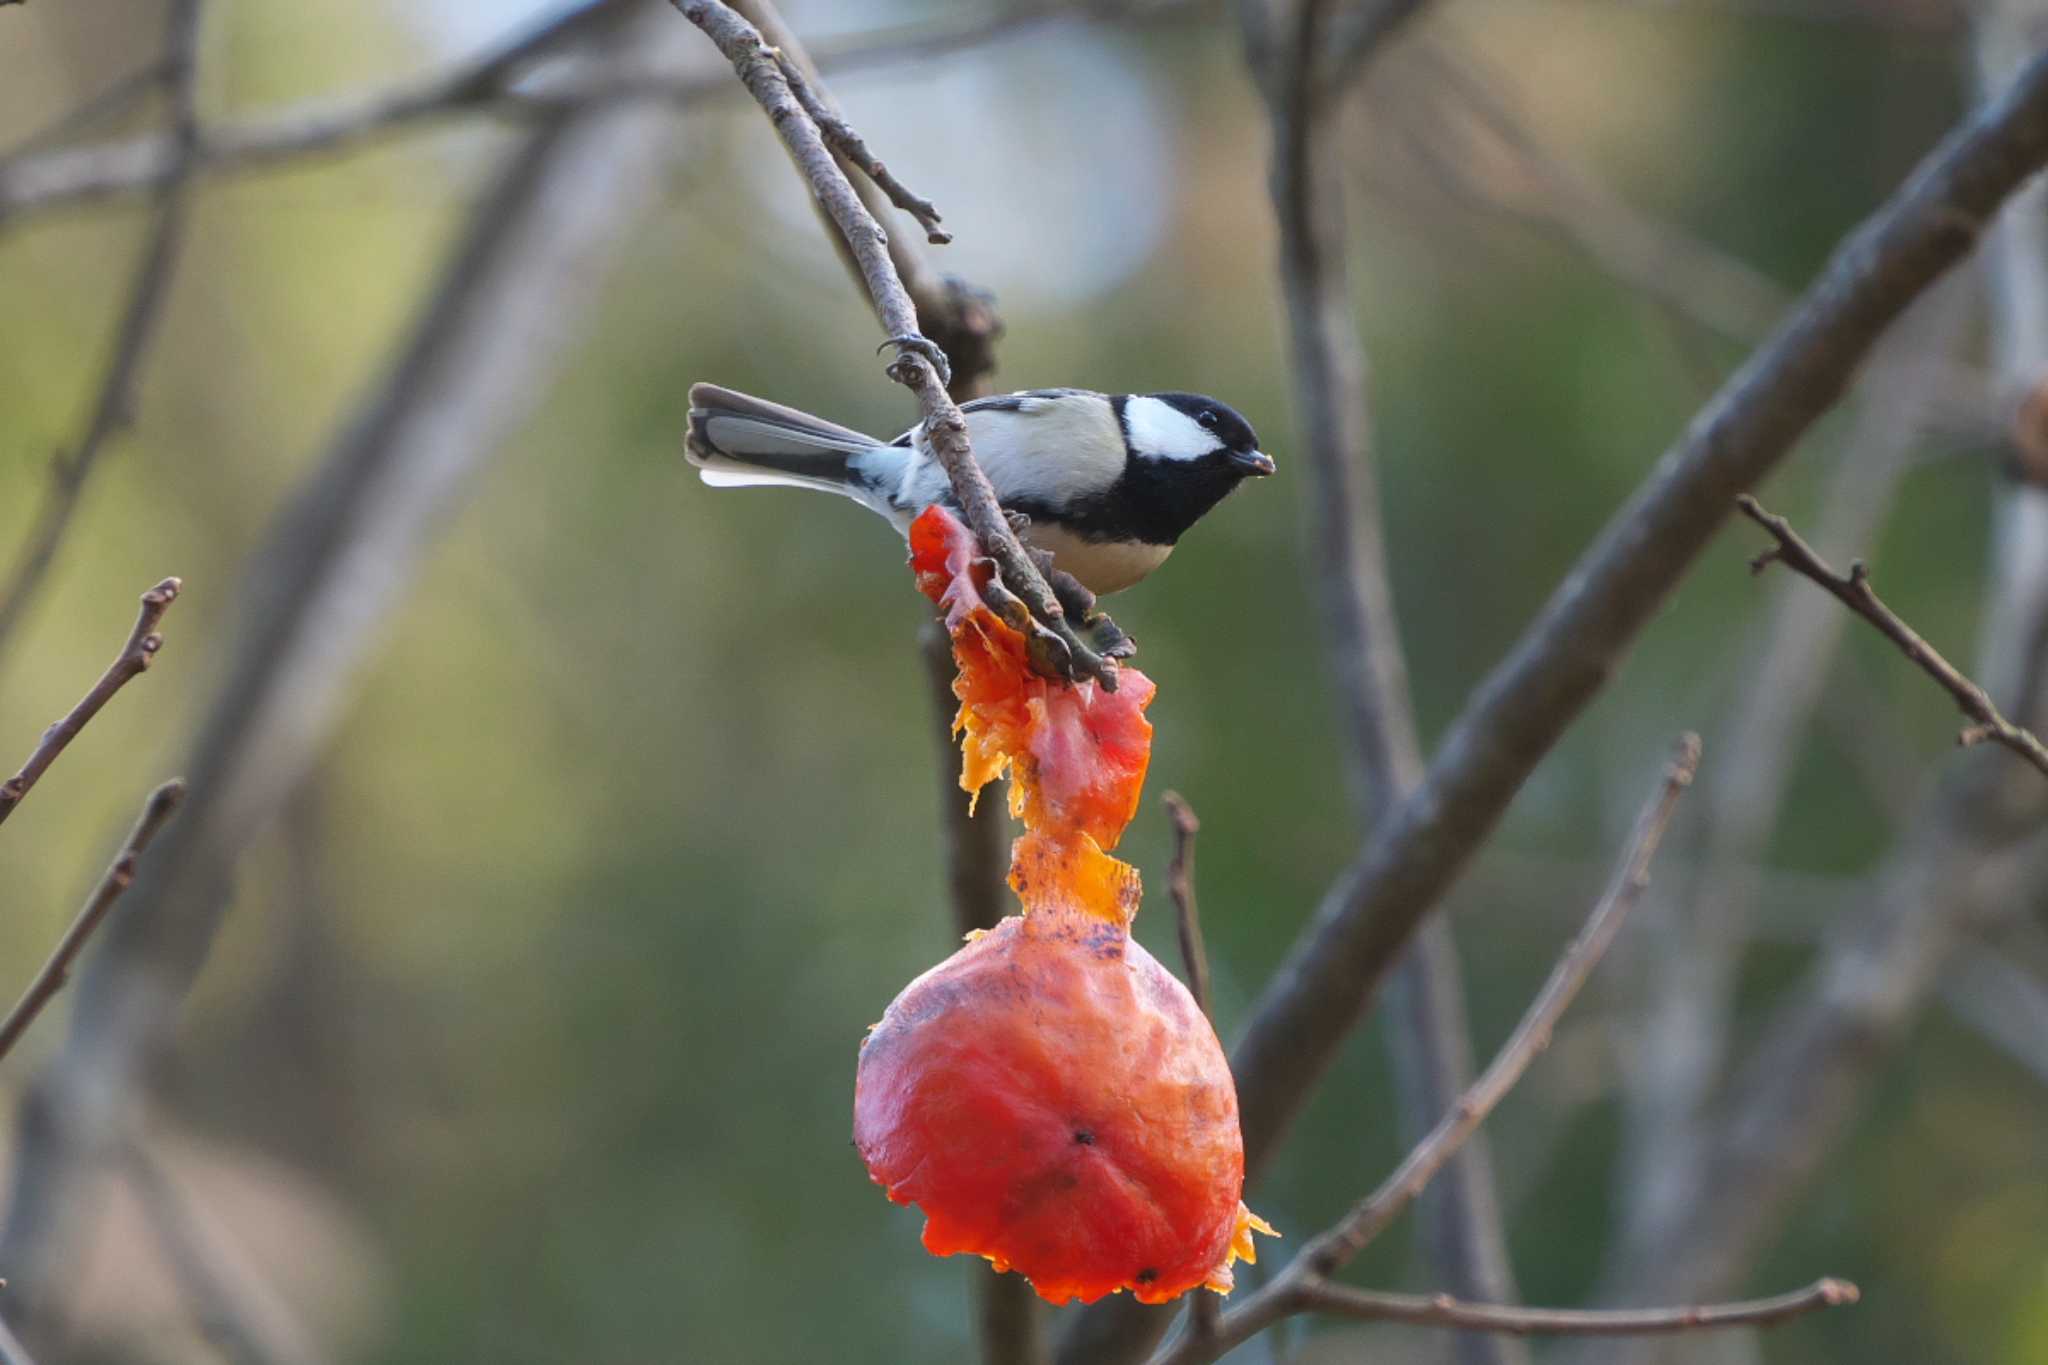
pixel 1084 1137
pixel 1147 1275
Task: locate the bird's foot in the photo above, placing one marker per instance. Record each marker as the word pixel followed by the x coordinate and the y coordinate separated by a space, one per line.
pixel 916 343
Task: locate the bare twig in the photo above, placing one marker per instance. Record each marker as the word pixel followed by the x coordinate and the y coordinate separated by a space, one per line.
pixel 1372 1214
pixel 1204 1310
pixel 1180 885
pixel 134 658
pixel 919 365
pixel 1305 1284
pixel 162 804
pixel 148 291
pixel 1440 1310
pixel 852 147
pixel 1853 590
pixel 958 316
pixel 1573 647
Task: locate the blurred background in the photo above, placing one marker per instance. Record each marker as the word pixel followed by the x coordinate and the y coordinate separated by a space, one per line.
pixel 603 814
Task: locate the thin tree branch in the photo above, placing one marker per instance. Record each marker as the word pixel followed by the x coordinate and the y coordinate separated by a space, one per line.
pixel 1631 877
pixel 851 146
pixel 1441 1310
pixel 134 659
pixel 1574 645
pixel 1303 1285
pixel 919 365
pixel 1204 1310
pixel 1853 591
pixel 959 316
pixel 156 813
pixel 148 290
pixel 1180 885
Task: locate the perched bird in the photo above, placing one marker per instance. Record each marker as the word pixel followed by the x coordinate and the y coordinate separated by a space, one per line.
pixel 1109 482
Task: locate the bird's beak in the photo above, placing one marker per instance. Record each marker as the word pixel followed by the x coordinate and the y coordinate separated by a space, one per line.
pixel 1254 462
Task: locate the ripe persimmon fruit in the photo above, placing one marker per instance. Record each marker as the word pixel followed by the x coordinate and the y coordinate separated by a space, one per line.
pixel 1051 1096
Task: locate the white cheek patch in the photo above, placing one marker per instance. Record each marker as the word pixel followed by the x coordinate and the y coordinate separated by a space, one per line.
pixel 1164 432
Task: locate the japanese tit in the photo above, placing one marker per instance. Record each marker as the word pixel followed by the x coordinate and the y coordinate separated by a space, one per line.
pixel 1109 482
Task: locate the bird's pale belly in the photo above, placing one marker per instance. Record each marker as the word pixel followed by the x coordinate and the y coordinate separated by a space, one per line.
pixel 1102 566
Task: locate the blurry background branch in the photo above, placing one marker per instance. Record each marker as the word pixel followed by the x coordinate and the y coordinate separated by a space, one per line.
pixel 1305 79
pixel 12 1352
pixel 1573 646
pixel 113 408
pixel 339 559
pixel 1484 142
pixel 1698 933
pixel 500 81
pixel 237 1312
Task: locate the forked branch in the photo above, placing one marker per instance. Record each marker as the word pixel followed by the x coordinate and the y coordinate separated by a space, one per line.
pixel 135 657
pixel 920 366
pixel 851 145
pixel 1853 591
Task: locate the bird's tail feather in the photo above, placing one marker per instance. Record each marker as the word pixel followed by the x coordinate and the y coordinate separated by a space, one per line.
pixel 737 440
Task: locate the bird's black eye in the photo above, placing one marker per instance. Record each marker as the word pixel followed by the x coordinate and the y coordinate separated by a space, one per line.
pixel 1207 417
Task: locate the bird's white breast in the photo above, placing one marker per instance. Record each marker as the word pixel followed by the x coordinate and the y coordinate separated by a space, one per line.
pixel 1102 566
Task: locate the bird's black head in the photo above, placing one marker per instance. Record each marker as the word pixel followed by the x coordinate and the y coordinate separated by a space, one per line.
pixel 1184 453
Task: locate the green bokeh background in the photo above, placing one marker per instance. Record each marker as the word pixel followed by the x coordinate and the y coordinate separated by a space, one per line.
pixel 551 983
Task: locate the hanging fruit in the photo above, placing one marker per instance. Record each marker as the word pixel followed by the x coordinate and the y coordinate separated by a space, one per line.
pixel 1051 1096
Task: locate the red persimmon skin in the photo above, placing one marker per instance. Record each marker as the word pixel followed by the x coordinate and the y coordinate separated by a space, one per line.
pixel 1053 1100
